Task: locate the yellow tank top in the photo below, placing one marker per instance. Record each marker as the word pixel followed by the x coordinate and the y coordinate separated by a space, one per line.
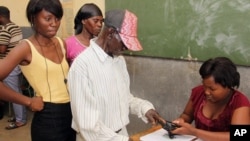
pixel 47 77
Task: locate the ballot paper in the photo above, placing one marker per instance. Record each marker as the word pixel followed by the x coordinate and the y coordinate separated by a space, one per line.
pixel 162 135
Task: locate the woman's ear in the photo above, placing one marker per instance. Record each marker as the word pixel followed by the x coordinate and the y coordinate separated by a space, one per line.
pixel 83 21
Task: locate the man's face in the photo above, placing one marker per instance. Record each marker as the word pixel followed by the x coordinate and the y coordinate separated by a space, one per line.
pixel 116 45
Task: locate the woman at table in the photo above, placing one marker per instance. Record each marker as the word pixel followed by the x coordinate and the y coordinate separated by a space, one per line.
pixel 216 104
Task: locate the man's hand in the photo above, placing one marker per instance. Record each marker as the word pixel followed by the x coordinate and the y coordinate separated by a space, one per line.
pixel 154 117
pixel 36 104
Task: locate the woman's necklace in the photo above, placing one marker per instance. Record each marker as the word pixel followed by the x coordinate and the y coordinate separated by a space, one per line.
pixel 45 60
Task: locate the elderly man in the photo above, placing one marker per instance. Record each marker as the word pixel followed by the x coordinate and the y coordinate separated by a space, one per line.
pixel 99 83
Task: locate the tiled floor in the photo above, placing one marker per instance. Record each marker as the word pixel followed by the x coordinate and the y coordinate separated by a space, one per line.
pixel 18 134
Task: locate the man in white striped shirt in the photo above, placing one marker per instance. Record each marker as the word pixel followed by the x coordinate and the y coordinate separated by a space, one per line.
pixel 99 82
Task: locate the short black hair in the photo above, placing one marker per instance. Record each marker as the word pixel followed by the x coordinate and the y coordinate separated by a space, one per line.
pixel 36 6
pixel 88 10
pixel 223 70
pixel 5 12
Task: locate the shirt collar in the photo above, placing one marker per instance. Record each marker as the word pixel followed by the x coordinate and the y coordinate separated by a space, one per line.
pixel 100 52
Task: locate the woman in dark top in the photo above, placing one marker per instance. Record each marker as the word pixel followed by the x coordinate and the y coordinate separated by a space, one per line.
pixel 216 104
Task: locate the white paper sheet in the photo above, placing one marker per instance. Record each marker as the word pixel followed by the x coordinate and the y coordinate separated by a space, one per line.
pixel 162 135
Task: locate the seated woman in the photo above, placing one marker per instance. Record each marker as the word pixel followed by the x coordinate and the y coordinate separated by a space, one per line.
pixel 216 104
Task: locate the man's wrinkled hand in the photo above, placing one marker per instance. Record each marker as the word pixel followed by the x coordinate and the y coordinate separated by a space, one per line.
pixel 154 117
pixel 36 104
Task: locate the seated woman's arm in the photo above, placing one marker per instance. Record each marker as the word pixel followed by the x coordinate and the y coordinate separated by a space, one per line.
pixel 241 116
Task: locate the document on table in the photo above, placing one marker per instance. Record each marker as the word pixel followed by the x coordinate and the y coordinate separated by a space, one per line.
pixel 162 135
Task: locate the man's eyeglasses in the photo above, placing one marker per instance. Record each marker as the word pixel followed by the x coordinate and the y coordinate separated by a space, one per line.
pixel 118 37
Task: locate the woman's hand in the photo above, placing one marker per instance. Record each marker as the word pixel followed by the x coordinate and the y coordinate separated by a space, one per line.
pixel 178 120
pixel 184 129
pixel 36 103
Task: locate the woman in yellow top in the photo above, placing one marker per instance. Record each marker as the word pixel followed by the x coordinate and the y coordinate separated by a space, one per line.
pixel 42 60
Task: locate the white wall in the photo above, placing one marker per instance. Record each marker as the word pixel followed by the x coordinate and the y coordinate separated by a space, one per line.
pixel 17 11
pixel 79 3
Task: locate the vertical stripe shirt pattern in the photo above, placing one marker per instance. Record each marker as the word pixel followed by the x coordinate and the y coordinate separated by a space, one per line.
pixel 10 35
pixel 100 95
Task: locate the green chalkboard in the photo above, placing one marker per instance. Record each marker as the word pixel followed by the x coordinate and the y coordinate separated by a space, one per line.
pixel 191 29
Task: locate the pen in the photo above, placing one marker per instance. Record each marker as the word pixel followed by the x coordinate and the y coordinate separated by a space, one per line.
pixel 194 139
